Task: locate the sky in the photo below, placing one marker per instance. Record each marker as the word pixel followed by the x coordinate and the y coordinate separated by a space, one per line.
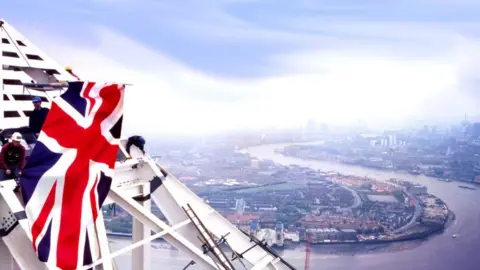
pixel 202 66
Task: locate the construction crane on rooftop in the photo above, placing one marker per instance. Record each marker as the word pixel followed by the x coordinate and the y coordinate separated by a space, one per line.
pixel 307 251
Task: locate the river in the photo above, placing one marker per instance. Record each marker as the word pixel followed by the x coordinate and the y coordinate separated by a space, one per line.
pixel 439 252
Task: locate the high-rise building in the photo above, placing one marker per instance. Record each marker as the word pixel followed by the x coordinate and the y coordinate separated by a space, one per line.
pixel 392 140
pixel 302 233
pixel 279 237
pixel 474 130
pixel 384 142
pixel 254 226
pixel 449 151
pixel 425 128
pixel 240 206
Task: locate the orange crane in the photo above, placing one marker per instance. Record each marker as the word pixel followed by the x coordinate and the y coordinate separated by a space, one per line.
pixel 307 251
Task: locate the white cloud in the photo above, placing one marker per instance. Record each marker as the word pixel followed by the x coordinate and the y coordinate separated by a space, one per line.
pixel 164 91
pixel 334 85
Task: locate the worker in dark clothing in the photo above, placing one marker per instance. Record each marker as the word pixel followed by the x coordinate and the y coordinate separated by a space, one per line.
pixel 138 141
pixel 38 116
pixel 12 158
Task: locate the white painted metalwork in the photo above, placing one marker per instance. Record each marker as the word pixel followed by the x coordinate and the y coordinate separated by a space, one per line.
pixel 193 226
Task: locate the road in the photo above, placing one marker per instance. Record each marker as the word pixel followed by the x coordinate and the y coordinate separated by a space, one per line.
pixel 358 200
pixel 418 212
pixel 439 252
pixel 418 208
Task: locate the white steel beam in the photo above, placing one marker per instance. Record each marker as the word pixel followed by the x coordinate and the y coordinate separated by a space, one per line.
pixel 172 195
pixel 6 259
pixel 21 250
pixel 141 256
pixel 18 240
pixel 264 262
pixel 137 244
pixel 174 238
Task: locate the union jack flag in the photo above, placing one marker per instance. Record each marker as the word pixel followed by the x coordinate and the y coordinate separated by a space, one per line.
pixel 68 175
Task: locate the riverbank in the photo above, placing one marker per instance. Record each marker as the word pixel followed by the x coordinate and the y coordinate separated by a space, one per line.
pixel 338 248
pixel 419 236
pixel 439 252
pixel 348 162
pixel 418 231
pixel 348 169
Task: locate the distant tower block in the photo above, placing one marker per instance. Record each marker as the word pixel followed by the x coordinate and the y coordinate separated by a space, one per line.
pixel 255 163
pixel 240 206
pixel 279 236
pixel 254 226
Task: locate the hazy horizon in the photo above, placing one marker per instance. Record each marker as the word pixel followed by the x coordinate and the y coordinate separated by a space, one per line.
pixel 234 64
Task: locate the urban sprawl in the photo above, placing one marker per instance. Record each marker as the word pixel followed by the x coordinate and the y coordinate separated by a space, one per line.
pixel 284 205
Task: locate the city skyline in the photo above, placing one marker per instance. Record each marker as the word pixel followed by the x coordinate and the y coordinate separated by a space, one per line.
pixel 235 64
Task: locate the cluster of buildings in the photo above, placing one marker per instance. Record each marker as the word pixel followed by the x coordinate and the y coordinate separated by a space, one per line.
pixel 434 211
pixel 386 141
pixel 211 167
pixel 285 237
pixel 443 153
pixel 288 204
pixel 337 208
